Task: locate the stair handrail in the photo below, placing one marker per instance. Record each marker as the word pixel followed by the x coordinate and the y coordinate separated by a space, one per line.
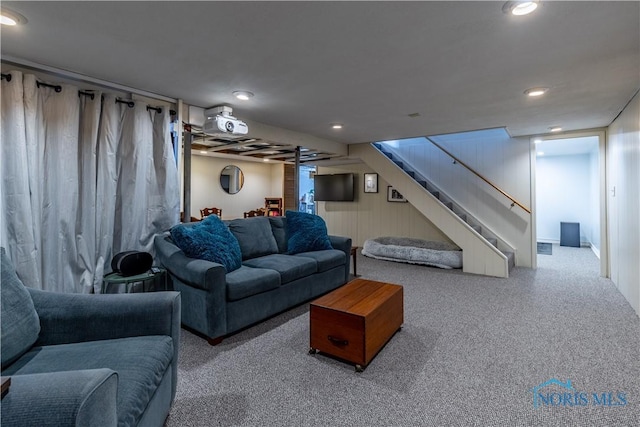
pixel 500 190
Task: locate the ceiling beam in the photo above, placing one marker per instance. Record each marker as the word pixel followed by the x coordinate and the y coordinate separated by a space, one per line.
pixel 267 149
pixel 231 146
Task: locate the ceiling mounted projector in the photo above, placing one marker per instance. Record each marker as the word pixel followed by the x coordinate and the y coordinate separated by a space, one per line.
pixel 220 122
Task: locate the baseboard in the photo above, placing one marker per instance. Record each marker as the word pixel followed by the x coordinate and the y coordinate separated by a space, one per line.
pixel 582 244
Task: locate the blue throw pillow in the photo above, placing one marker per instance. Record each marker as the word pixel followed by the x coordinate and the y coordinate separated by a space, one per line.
pixel 211 240
pixel 306 233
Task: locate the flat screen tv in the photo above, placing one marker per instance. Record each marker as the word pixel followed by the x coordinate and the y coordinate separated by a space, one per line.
pixel 333 188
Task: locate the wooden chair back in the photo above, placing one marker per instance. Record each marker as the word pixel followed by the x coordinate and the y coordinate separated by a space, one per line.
pixel 255 212
pixel 210 211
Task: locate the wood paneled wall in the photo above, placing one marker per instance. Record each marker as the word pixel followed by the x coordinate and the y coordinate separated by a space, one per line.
pixel 623 170
pixel 290 198
pixel 371 215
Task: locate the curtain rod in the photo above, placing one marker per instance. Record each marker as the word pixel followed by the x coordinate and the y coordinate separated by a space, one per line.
pixel 83 78
pixel 58 89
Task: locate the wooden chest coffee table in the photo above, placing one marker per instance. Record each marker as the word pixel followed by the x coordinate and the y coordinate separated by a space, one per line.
pixel 355 321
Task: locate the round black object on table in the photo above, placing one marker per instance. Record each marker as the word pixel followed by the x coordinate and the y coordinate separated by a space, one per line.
pixel 131 263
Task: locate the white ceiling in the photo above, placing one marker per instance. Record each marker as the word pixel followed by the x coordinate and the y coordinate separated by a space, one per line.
pixel 460 65
pixel 567 146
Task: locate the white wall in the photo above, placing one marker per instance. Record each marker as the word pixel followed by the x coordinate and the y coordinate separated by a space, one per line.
pixel 623 170
pixel 594 203
pixel 565 192
pixel 503 160
pixel 371 215
pixel 260 180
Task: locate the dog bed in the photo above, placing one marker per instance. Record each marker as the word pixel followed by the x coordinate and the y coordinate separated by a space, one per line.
pixel 414 251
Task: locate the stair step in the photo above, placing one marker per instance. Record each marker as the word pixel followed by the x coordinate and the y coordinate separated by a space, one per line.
pixel 511 259
pixel 477 228
pixel 449 205
pixel 436 194
pixel 493 241
pixel 462 216
pixel 423 183
pixel 399 163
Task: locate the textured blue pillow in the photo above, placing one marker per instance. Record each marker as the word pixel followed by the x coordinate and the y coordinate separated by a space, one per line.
pixel 306 233
pixel 209 239
pixel 20 321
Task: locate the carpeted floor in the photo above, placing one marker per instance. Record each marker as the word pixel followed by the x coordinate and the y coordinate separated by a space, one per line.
pixel 470 352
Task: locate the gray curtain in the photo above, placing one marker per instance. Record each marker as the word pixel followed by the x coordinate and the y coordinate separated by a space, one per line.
pixel 82 179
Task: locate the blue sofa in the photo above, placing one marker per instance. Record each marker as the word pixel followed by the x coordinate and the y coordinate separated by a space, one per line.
pixel 87 360
pixel 269 280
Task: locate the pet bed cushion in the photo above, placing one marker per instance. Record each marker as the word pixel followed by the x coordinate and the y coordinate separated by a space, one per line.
pixel 414 251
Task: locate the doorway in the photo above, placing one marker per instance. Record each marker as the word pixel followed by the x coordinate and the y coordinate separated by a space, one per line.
pixel 306 189
pixel 569 196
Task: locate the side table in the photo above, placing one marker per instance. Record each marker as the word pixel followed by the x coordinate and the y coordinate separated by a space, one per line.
pixel 153 280
pixel 6 383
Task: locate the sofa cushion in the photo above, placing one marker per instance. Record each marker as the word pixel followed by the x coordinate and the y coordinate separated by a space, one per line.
pixel 141 363
pixel 306 232
pixel 20 322
pixel 279 229
pixel 247 281
pixel 254 236
pixel 211 240
pixel 289 267
pixel 326 259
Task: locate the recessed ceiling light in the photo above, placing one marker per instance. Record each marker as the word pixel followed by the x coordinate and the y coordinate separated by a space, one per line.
pixel 243 95
pixel 203 152
pixel 336 126
pixel 555 129
pixel 11 18
pixel 540 153
pixel 520 7
pixel 536 91
pixel 265 160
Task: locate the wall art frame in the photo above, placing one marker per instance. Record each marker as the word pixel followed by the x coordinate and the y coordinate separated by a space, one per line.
pixel 394 195
pixel 370 182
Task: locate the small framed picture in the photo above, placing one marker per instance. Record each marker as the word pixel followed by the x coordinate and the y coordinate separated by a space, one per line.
pixel 370 182
pixel 394 195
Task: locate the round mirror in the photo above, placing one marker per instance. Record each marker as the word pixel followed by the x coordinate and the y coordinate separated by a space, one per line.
pixel 231 179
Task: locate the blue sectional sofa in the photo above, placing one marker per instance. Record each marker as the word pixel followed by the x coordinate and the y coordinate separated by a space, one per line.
pixel 271 277
pixel 87 360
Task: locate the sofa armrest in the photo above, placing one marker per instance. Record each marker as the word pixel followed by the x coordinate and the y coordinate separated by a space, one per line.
pixel 198 273
pixel 72 398
pixel 343 244
pixel 67 318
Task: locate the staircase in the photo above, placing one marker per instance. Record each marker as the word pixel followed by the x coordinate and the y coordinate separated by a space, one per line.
pixel 482 250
